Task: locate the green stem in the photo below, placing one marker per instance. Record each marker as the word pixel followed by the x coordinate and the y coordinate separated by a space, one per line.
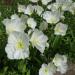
pixel 72 34
pixel 37 60
pixel 56 41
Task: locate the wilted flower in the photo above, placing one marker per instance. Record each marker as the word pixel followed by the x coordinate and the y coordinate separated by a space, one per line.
pixel 17 46
pixel 39 40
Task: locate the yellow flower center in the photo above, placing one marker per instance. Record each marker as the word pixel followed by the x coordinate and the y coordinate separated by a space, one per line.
pixel 58 30
pixel 20 44
pixel 52 20
pixel 46 70
pixel 36 41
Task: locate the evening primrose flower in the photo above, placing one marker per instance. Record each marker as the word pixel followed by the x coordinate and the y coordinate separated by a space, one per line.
pixel 21 8
pixel 39 40
pixel 65 4
pixel 45 2
pixel 49 69
pixel 17 46
pixel 62 69
pixel 63 1
pixel 30 31
pixel 51 17
pixel 38 9
pixel 72 8
pixel 34 1
pixel 54 7
pixel 14 24
pixel 60 29
pixel 29 9
pixel 60 62
pixel 31 23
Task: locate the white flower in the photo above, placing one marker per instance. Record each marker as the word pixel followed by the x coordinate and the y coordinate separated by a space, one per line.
pixel 43 25
pixel 18 46
pixel 45 2
pixel 14 24
pixel 60 62
pixel 38 9
pixel 63 68
pixel 60 29
pixel 49 69
pixel 65 4
pixel 51 17
pixel 21 8
pixel 72 8
pixel 63 1
pixel 30 31
pixel 15 17
pixel 31 23
pixel 29 9
pixel 34 1
pixel 39 40
pixel 54 7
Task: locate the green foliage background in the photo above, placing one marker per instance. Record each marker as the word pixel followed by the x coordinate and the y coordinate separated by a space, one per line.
pixel 58 44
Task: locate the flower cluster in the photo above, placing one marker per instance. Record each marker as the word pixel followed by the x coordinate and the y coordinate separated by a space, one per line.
pixel 59 63
pixel 24 31
pixel 19 41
